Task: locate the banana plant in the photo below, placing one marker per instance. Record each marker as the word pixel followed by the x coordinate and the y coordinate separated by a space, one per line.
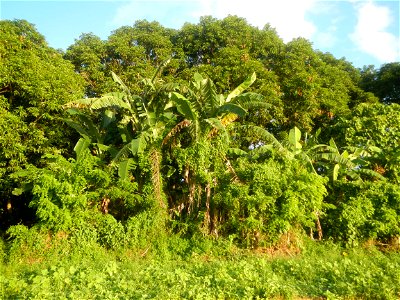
pixel 140 121
pixel 350 163
pixel 292 147
pixel 206 111
pixel 205 114
pixel 98 133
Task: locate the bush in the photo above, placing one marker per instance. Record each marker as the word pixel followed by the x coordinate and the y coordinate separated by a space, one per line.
pixel 364 211
pixel 269 199
pixel 3 253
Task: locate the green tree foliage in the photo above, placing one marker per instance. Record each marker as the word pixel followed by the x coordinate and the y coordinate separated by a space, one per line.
pixel 270 196
pixel 200 159
pixel 376 126
pixel 139 121
pixel 173 131
pixel 305 88
pixel 314 89
pixel 133 52
pixel 352 78
pixel 89 56
pixel 34 82
pixel 384 82
pixel 363 211
pixel 80 196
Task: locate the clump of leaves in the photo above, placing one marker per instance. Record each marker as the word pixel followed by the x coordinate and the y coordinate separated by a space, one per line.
pixel 71 195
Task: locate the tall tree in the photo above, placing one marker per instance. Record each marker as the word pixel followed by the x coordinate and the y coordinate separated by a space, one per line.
pixel 90 57
pixel 384 82
pixel 34 82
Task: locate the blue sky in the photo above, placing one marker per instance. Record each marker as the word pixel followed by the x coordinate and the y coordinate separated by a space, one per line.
pixel 363 31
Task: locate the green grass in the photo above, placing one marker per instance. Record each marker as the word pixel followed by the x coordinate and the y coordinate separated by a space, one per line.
pixel 320 271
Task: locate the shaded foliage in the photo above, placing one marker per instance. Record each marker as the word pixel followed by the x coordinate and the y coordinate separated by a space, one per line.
pixel 173 133
pixel 383 82
pixel 35 81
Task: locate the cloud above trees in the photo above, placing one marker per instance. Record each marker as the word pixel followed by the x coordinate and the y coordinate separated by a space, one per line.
pixel 287 17
pixel 371 33
pixel 364 25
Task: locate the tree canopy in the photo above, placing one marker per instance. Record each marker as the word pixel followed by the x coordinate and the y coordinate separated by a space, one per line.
pixel 383 82
pixel 35 80
pixel 215 129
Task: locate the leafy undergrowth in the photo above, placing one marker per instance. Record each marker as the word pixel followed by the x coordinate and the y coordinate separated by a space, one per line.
pixel 318 271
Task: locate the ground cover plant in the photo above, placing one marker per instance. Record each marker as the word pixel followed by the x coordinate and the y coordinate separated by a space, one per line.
pixel 166 163
pixel 185 271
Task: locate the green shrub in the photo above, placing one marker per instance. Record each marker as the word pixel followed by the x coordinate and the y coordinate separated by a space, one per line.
pixel 3 252
pixel 368 210
pixel 269 199
pixel 111 233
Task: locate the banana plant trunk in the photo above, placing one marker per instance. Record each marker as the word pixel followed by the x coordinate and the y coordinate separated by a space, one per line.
pixel 156 178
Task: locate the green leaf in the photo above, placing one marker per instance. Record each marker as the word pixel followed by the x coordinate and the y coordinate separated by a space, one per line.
pixel 122 153
pixel 73 105
pixel 335 172
pixel 209 93
pixel 184 106
pixel 138 145
pixel 252 100
pixel 294 138
pixel 216 123
pixel 81 145
pixel 110 100
pixel 371 173
pixel 81 130
pixel 236 152
pixel 232 108
pixel 170 171
pixel 25 187
pixel 169 104
pixel 120 82
pixel 261 151
pixel 74 111
pixel 198 79
pixel 108 118
pixel 244 85
pixel 267 137
pixel 160 68
pixel 124 167
pixel 102 147
pixel 375 149
pixel 333 145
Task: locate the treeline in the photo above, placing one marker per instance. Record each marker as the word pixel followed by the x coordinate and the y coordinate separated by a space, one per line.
pixel 216 129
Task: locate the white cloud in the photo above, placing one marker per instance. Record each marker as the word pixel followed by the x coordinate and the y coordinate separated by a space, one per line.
pixel 287 16
pixel 124 13
pixel 325 39
pixel 170 13
pixel 371 33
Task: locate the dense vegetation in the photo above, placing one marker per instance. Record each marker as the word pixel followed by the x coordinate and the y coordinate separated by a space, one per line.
pixel 161 142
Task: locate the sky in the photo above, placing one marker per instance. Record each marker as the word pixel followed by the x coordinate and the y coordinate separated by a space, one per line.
pixel 364 32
